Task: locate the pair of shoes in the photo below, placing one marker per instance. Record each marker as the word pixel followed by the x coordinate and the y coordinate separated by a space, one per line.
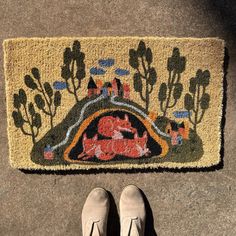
pixel 132 212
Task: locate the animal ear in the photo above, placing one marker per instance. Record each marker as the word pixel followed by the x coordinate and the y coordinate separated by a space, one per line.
pixel 145 134
pixel 95 137
pixel 84 136
pixel 126 117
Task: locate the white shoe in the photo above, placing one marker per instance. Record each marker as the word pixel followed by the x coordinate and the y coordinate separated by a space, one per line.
pixel 95 213
pixel 132 212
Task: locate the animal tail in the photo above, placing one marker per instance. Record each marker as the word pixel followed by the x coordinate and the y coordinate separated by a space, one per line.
pixel 81 155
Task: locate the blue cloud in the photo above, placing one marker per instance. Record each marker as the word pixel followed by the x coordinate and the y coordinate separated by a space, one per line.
pixel 59 85
pixel 97 71
pixel 106 62
pixel 182 114
pixel 121 72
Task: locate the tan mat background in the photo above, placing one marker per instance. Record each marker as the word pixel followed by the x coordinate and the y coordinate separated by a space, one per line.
pixel 22 54
pixel 182 203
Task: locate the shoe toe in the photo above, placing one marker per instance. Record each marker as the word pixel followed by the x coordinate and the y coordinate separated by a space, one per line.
pixel 131 194
pixel 97 204
pixel 98 196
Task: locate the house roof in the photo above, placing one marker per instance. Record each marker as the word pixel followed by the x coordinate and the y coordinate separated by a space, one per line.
pixel 91 84
pixel 174 126
pixel 181 125
pixel 118 83
pixel 107 85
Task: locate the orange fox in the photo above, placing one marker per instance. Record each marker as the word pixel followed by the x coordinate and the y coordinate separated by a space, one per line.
pixel 107 149
pixel 110 126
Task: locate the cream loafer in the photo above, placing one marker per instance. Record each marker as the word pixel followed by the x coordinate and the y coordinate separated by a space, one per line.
pixel 95 213
pixel 132 212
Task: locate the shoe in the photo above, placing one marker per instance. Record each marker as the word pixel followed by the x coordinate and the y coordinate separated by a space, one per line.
pixel 95 213
pixel 132 212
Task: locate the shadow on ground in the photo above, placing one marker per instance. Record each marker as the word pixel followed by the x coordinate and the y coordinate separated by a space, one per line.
pixel 149 227
pixel 113 224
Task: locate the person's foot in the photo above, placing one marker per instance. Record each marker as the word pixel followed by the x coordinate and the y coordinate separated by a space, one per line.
pixel 95 213
pixel 132 212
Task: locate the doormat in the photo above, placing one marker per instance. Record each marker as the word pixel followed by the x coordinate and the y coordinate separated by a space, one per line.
pixel 114 102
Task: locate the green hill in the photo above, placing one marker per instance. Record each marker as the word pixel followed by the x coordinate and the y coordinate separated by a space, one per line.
pixel 190 150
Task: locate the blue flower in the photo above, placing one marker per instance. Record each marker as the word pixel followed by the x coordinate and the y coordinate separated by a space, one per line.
pixel 106 62
pixel 121 72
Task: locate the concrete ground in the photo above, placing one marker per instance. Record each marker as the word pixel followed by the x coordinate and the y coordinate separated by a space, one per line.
pixel 196 203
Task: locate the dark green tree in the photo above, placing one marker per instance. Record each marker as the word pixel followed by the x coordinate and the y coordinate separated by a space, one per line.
pixel 25 117
pixel 197 101
pixel 170 92
pixel 145 76
pixel 46 100
pixel 73 69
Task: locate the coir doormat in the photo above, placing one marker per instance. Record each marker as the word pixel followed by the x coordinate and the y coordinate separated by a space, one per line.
pixel 114 102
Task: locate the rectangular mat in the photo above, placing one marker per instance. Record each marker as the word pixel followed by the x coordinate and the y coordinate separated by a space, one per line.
pixel 114 102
